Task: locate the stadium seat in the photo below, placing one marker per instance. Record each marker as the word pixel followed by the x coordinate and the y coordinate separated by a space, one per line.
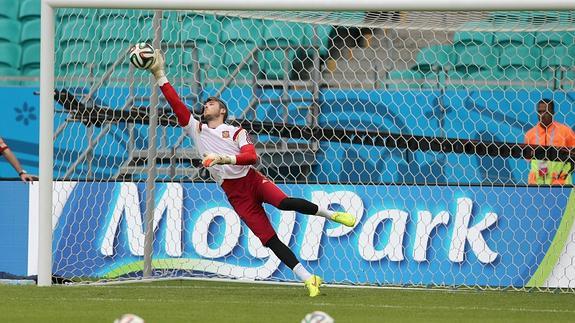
pixel 471 37
pixel 112 52
pixel 114 29
pixel 524 56
pixel 10 55
pixel 323 33
pixel 31 72
pixel 286 32
pixel 568 81
pixel 208 60
pixel 522 78
pixel 200 28
pixel 555 57
pixel 67 13
pixel 9 30
pixel 77 31
pixel 29 10
pixel 9 9
pixel 514 38
pixel 247 30
pixel 72 55
pixel 432 57
pixel 471 59
pixel 271 61
pixel 30 32
pixel 543 39
pixel 31 57
pixel 9 71
pixel 234 54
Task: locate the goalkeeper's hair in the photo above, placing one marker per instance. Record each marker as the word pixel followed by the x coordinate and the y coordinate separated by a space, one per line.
pixel 221 103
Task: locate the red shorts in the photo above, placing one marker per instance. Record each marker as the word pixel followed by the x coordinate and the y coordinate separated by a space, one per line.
pixel 246 196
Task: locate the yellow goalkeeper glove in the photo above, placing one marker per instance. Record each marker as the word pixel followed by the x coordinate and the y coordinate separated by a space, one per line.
pixel 157 68
pixel 211 159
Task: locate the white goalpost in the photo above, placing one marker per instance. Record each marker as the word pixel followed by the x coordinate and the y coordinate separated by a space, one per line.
pixel 411 115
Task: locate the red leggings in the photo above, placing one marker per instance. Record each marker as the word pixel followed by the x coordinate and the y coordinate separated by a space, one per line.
pixel 246 196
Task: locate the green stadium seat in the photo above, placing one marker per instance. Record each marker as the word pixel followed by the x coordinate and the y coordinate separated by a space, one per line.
pixel 10 55
pixel 471 59
pixel 66 13
pixel 248 30
pixel 30 32
pixel 474 37
pixel 113 51
pixel 9 8
pixel 73 55
pixel 171 30
pixel 9 71
pixel 29 10
pixel 31 56
pixel 527 56
pixel 207 54
pixel 114 29
pixel 556 56
pixel 283 32
pixel 9 30
pixel 543 39
pixel 200 28
pixel 323 33
pixel 31 72
pixel 521 78
pixel 517 38
pixel 272 61
pixel 77 30
pixel 567 81
pixel 122 76
pixel 432 57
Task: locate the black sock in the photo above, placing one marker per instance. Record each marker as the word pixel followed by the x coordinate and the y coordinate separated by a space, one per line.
pixel 282 251
pixel 299 205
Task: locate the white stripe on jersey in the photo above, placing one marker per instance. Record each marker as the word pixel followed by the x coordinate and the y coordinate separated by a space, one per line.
pixel 220 141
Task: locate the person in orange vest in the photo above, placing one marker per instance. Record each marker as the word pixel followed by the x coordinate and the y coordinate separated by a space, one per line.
pixel 549 133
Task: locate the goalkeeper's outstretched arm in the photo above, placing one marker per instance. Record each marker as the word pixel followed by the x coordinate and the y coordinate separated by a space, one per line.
pixel 157 69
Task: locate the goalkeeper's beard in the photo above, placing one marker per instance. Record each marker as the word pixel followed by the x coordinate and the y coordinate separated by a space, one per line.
pixel 207 118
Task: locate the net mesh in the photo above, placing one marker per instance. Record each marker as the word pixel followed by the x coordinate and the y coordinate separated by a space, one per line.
pixel 415 122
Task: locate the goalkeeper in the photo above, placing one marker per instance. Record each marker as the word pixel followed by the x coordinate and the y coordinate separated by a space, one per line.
pixel 229 153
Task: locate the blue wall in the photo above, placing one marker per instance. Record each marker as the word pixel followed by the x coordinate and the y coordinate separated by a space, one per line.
pixel 487 115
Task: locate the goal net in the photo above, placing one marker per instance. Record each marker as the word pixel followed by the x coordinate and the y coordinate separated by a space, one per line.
pixel 418 123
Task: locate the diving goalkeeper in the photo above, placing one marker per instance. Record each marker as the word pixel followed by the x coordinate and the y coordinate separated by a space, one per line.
pixel 229 153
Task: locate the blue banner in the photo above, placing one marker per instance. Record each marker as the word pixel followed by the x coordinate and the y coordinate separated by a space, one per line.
pixel 14 228
pixel 432 235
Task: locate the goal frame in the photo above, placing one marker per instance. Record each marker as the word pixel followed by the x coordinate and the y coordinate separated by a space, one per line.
pixel 47 49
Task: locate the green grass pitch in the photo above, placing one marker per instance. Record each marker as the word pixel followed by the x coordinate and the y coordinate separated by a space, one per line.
pixel 204 301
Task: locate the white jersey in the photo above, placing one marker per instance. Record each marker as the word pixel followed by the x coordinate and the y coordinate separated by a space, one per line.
pixel 223 140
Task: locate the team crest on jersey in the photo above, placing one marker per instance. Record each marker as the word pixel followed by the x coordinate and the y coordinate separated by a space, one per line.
pixel 225 134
